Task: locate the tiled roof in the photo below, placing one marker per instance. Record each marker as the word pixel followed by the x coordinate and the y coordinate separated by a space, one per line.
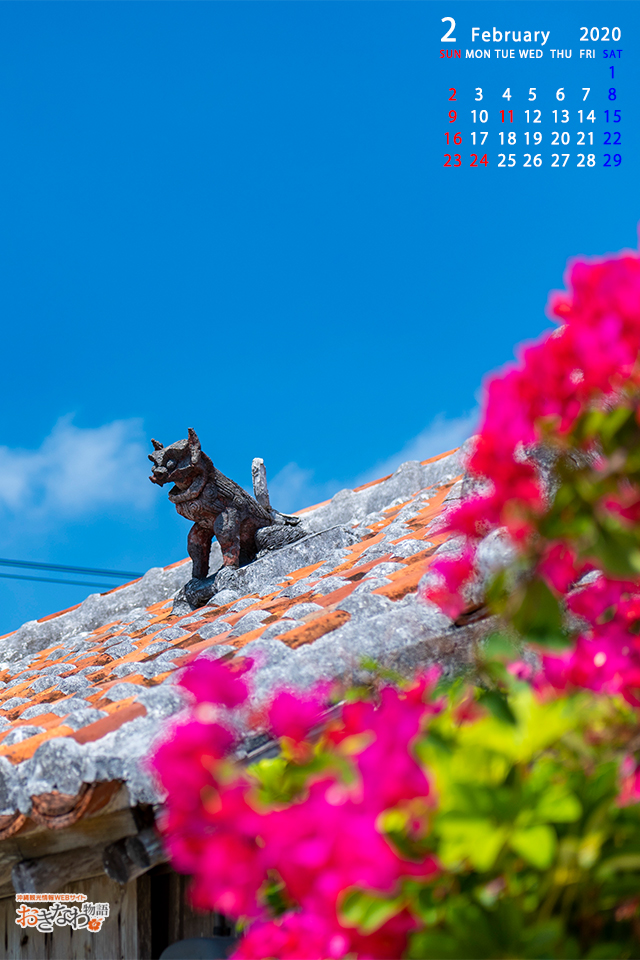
pixel 84 692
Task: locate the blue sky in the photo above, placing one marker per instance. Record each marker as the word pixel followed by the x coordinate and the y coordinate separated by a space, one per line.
pixel 234 216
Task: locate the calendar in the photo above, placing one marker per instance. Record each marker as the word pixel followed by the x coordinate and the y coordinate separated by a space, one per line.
pixel 553 98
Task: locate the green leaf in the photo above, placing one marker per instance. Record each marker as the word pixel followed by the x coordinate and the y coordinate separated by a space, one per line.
pixel 367 912
pixel 589 850
pixel 571 949
pixel 606 951
pixel 497 703
pixel 435 739
pixel 558 805
pixel 589 424
pixel 541 939
pixel 539 616
pixel 497 592
pixel 368 663
pixel 474 927
pixel 498 646
pixel 613 421
pixel 617 550
pixel 436 946
pixel 476 840
pixel 623 862
pixel 506 923
pixel 537 845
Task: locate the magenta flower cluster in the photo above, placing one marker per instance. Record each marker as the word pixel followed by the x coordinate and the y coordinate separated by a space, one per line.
pixel 315 849
pixel 589 363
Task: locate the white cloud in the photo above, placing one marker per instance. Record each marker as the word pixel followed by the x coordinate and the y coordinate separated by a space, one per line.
pixel 77 471
pixel 294 487
pixel 440 436
pixel 81 471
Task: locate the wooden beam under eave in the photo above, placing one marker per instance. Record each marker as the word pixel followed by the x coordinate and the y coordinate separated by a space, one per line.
pixel 50 874
pixel 128 859
pixel 122 861
pixel 9 856
pixel 87 832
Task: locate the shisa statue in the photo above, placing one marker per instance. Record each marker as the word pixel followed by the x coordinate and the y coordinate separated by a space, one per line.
pixel 244 526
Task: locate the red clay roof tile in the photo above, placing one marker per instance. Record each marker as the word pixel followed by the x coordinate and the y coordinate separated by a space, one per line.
pixel 317 628
pixel 126 710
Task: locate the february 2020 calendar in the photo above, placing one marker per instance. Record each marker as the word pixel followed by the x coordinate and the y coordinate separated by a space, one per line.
pixel 380 695
pixel 533 98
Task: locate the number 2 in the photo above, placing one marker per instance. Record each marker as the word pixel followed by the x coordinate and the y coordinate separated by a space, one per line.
pixel 447 35
pixel 452 91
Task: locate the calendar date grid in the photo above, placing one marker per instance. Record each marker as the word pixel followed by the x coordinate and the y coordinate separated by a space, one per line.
pixel 577 137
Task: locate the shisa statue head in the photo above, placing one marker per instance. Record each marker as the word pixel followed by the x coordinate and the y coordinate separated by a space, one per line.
pixel 179 463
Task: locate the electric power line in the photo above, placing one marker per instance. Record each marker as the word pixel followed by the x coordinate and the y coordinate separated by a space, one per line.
pixel 77 583
pixel 29 565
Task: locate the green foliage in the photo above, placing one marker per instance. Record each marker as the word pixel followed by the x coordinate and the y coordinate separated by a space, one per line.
pixel 283 779
pixel 578 513
pixel 538 616
pixel 368 912
pixel 538 856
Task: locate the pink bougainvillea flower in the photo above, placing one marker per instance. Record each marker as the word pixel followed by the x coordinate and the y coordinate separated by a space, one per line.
pixel 211 681
pixel 310 936
pixel 349 850
pixel 320 846
pixel 630 782
pixel 559 567
pixel 231 866
pixel 422 688
pixel 183 763
pixel 389 940
pixel 294 715
pixel 395 724
pixel 586 362
pixel 183 760
pixel 296 936
pixel 450 573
